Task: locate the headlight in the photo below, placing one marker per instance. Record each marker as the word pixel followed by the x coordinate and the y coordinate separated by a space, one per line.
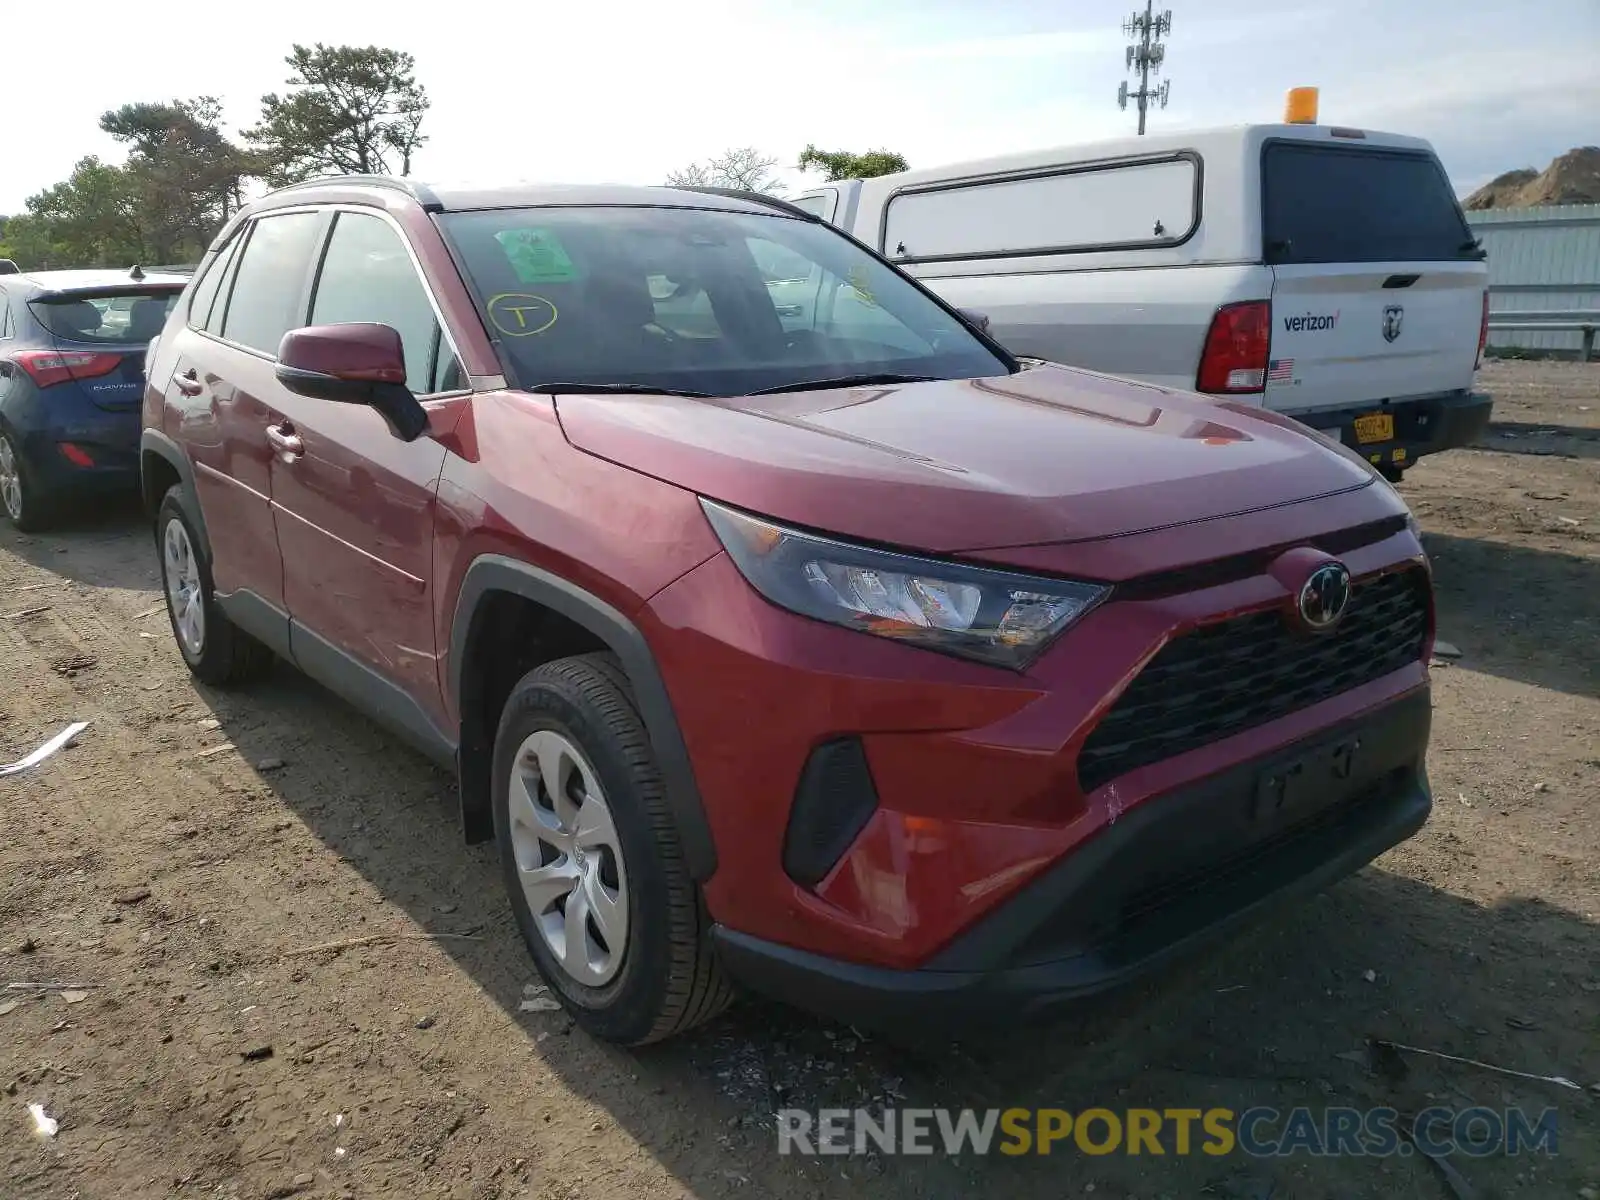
pixel 992 616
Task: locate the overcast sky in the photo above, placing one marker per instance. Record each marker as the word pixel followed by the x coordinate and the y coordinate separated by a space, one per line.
pixel 626 90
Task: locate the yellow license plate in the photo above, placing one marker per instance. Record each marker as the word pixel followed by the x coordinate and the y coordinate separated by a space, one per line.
pixel 1375 427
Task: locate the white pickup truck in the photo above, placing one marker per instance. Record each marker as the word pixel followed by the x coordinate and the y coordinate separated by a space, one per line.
pixel 1326 273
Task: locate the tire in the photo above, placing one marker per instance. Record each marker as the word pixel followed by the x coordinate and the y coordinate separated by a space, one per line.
pixel 610 845
pixel 22 501
pixel 215 649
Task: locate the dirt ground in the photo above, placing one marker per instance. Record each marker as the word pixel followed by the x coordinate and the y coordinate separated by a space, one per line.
pixel 193 846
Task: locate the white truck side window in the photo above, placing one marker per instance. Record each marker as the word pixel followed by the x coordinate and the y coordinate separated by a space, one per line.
pixel 1139 203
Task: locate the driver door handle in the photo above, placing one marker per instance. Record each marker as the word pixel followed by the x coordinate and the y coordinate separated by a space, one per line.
pixel 189 382
pixel 285 441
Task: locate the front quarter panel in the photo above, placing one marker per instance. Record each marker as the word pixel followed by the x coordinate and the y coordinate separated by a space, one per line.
pixel 532 497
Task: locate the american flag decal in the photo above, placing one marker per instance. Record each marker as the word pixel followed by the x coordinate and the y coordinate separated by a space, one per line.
pixel 1280 370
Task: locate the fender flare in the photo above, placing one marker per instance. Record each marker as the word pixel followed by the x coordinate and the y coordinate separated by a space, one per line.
pixel 496 573
pixel 153 441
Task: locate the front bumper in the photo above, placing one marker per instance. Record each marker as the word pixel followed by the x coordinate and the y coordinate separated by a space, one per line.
pixel 1421 427
pixel 1167 878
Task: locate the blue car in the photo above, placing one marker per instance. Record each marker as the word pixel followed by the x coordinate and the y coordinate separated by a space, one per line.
pixel 72 348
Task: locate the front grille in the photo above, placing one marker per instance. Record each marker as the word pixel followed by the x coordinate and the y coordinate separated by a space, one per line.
pixel 1222 679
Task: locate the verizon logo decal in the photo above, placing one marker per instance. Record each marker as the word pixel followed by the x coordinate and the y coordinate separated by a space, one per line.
pixel 1311 322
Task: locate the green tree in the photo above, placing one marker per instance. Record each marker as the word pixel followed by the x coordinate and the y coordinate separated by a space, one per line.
pixel 26 242
pixel 354 110
pixel 186 175
pixel 842 164
pixel 744 167
pixel 89 219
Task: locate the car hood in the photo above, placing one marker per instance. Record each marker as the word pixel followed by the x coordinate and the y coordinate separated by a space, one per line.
pixel 1050 454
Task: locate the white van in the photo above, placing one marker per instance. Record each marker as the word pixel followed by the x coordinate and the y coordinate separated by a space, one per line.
pixel 1327 273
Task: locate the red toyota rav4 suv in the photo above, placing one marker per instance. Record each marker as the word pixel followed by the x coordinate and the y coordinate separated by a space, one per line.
pixel 782 628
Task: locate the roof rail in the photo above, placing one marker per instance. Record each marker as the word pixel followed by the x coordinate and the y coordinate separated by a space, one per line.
pixel 417 191
pixel 753 197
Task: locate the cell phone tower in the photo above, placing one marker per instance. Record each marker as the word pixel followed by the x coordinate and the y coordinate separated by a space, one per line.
pixel 1144 57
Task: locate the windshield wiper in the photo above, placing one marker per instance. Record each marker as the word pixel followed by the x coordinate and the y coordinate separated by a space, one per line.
pixel 616 389
pixel 843 381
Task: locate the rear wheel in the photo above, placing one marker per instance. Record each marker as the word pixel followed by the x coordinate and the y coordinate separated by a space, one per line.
pixel 592 861
pixel 21 500
pixel 216 650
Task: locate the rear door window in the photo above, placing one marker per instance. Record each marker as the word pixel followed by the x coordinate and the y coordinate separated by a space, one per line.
pixel 269 286
pixel 1334 204
pixel 205 292
pixel 226 275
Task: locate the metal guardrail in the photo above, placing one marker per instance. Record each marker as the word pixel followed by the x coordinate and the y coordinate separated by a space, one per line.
pixel 1552 320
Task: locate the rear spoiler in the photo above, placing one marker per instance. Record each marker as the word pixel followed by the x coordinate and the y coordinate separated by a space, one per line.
pixel 55 295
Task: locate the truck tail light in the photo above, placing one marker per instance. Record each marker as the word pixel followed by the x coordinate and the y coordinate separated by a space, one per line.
pixel 46 367
pixel 1234 360
pixel 1483 332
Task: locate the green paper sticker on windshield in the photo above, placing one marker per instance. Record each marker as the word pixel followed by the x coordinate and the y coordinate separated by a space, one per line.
pixel 537 256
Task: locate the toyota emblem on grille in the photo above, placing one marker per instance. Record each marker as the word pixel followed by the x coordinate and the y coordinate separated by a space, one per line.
pixel 1324 596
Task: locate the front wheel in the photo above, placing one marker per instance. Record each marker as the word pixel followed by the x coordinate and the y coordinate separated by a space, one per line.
pixel 592 861
pixel 215 650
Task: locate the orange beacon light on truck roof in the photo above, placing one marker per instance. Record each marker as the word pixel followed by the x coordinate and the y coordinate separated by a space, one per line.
pixel 1300 106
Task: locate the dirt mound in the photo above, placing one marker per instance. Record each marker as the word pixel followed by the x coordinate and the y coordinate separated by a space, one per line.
pixel 1574 178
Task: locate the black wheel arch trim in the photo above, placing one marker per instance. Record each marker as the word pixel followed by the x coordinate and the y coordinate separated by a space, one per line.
pixel 496 573
pixel 153 441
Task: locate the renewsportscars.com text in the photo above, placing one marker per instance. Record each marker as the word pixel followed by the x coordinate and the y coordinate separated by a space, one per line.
pixel 1258 1132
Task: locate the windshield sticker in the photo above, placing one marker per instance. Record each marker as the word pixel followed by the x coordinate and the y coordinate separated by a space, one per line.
pixel 518 314
pixel 537 256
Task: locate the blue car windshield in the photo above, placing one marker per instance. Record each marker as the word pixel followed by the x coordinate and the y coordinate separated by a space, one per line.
pixel 683 299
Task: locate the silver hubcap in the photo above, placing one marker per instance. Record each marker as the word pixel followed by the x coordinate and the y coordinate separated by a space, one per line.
pixel 183 587
pixel 10 480
pixel 569 858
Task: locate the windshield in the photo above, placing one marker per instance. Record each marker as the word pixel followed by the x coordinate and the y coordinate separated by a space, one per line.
pixel 697 300
pixel 119 319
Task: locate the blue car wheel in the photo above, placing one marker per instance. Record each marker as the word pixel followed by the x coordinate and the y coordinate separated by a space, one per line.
pixel 20 499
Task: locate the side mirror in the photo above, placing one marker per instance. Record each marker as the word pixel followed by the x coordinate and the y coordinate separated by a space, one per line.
pixel 354 363
pixel 975 318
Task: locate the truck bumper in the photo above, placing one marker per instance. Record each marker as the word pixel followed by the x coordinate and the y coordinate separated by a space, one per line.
pixel 1421 427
